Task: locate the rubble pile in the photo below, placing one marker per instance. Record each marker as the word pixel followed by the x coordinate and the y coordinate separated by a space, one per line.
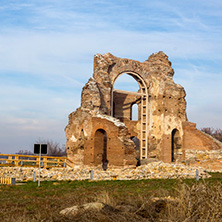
pixel 155 170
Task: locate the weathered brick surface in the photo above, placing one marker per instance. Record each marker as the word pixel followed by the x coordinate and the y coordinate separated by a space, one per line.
pixel 198 140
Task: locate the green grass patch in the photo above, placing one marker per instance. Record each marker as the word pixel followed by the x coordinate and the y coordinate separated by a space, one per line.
pixel 28 202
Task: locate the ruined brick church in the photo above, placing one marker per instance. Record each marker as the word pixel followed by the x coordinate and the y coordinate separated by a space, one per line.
pixel 102 133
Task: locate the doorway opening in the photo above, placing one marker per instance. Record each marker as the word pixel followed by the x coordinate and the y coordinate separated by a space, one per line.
pixel 175 145
pixel 100 148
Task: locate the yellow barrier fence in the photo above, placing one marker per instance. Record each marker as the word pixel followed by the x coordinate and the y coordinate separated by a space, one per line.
pixel 17 160
pixel 7 180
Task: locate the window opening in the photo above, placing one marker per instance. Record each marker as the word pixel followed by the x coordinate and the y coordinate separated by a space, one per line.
pixel 135 112
pixel 175 145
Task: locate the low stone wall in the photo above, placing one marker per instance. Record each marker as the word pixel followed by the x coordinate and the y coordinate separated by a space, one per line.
pixel 202 155
pixel 211 160
pixel 155 170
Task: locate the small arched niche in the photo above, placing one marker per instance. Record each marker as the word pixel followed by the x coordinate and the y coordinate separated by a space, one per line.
pixel 100 148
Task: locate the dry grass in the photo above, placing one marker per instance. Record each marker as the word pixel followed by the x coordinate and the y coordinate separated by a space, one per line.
pixel 198 202
pixel 151 200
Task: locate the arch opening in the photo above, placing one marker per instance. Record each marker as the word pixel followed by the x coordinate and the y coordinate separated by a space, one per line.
pixel 134 112
pixel 128 91
pixel 100 148
pixel 132 105
pixel 175 145
pixel 124 97
pixel 126 82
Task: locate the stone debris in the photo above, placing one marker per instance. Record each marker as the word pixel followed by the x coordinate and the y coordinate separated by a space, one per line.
pixel 158 204
pixel 72 211
pixel 154 170
pixel 112 119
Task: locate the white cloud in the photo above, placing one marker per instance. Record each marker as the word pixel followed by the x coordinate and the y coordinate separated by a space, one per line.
pixel 72 54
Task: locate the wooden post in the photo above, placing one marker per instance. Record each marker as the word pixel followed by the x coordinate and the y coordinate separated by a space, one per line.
pixel 9 159
pixel 16 160
pixel 45 162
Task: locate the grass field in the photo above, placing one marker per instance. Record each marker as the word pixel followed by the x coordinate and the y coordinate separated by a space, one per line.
pixel 127 200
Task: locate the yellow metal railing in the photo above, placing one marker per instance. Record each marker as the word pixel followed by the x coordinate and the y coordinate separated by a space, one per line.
pixel 7 180
pixel 33 161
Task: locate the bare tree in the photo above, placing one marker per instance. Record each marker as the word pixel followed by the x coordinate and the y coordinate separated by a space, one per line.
pixel 24 152
pixel 216 133
pixel 54 148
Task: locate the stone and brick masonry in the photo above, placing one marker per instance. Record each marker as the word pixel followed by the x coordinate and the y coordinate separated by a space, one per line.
pixel 101 132
pixel 101 135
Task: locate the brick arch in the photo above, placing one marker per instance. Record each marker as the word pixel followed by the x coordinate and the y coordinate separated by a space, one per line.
pixel 134 74
pixel 120 66
pixel 140 80
pixel 175 145
pixel 100 148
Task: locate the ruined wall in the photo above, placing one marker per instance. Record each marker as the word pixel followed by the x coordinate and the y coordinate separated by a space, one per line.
pixel 122 104
pixel 83 124
pixel 80 133
pixel 197 140
pixel 166 107
pixel 162 126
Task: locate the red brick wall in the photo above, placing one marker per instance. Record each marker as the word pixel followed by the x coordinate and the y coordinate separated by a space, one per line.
pixel 165 153
pixel 195 139
pixel 115 149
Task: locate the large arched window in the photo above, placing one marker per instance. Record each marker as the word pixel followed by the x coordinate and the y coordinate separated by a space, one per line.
pixel 125 98
pixel 126 82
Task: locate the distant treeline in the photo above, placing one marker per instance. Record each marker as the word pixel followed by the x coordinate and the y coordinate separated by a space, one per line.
pixel 216 133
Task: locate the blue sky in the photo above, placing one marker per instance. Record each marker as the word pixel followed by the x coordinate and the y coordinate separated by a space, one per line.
pixel 47 49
